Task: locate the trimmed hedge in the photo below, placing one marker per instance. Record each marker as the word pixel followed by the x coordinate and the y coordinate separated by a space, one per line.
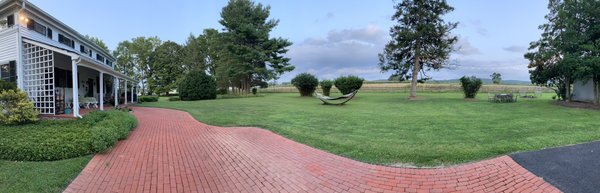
pixel 347 84
pixel 197 85
pixel 16 109
pixel 305 83
pixel 51 140
pixel 7 86
pixel 174 98
pixel 149 99
pixel 470 86
pixel 326 86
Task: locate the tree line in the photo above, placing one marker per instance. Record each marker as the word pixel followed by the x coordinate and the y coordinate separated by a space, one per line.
pixel 569 47
pixel 240 56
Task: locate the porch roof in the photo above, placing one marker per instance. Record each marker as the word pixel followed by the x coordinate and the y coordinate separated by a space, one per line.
pixel 82 61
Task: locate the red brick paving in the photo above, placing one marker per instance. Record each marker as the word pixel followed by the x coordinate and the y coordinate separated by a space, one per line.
pixel 172 152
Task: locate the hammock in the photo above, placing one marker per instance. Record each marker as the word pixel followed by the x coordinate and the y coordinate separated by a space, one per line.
pixel 336 101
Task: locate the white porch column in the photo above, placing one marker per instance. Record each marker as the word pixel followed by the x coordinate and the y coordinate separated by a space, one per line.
pixel 116 88
pixel 132 91
pixel 75 88
pixel 101 91
pixel 125 92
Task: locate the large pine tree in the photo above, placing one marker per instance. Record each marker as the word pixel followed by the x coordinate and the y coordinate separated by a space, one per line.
pixel 253 56
pixel 421 40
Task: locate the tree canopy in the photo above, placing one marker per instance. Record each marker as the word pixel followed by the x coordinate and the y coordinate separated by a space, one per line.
pixel 252 55
pixel 133 59
pixel 496 78
pixel 569 47
pixel 421 40
pixel 98 42
pixel 166 67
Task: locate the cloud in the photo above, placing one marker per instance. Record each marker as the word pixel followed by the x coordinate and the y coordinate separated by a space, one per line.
pixel 479 28
pixel 516 49
pixel 328 16
pixel 464 47
pixel 341 52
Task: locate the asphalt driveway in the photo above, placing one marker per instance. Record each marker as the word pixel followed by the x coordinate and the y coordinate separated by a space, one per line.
pixel 571 169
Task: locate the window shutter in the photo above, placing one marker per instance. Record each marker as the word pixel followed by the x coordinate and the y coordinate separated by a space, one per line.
pixel 49 33
pixel 10 20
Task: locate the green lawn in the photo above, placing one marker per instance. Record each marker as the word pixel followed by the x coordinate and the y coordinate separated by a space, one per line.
pixel 52 176
pixel 386 128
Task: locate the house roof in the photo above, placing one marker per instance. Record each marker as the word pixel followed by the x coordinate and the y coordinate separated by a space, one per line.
pixel 62 26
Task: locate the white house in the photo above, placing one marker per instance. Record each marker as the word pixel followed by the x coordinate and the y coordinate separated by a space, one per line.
pixel 52 62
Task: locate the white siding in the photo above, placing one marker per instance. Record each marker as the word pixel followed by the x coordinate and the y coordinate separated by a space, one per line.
pixel 8 45
pixel 583 91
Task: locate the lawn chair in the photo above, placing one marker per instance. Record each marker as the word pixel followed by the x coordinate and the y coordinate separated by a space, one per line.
pixel 523 94
pixel 338 100
pixel 491 97
pixel 538 93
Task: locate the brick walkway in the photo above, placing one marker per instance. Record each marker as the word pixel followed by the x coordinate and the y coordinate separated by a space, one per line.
pixel 171 152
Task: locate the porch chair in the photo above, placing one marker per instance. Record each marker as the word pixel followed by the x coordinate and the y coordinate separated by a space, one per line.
pixel 523 94
pixel 538 93
pixel 491 97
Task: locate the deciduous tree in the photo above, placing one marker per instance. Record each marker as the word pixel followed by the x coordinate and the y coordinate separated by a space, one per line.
pixel 166 67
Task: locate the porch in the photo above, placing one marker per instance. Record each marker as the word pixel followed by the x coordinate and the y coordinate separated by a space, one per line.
pixel 63 83
pixel 82 112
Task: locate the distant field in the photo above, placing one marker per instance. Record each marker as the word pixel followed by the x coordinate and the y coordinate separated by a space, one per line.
pixel 405 87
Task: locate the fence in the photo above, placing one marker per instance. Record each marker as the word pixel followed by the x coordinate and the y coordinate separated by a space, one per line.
pixel 405 87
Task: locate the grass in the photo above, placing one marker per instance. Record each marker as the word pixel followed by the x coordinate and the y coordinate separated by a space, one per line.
pixel 386 128
pixel 52 176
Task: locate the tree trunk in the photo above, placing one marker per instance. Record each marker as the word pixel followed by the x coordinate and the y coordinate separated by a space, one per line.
pixel 568 89
pixel 415 74
pixel 596 90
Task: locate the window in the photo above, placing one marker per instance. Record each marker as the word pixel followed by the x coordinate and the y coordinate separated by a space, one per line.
pixel 90 53
pixel 37 27
pixel 49 33
pixel 8 72
pixel 100 58
pixel 82 49
pixel 109 63
pixel 66 41
pixel 10 20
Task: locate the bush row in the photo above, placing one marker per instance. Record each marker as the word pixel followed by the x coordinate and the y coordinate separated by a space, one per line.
pixel 149 99
pixel 307 83
pixel 62 139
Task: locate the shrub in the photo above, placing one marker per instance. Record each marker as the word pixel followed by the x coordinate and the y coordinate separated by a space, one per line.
pixel 7 86
pixel 305 83
pixel 326 86
pixel 222 91
pixel 254 90
pixel 16 108
pixel 174 98
pixel 51 140
pixel 197 85
pixel 149 99
pixel 114 127
pixel 347 84
pixel 470 86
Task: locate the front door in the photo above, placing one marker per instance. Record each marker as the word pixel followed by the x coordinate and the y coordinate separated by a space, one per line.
pixel 90 90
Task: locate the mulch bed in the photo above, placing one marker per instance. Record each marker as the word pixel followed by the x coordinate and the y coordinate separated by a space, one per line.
pixel 579 105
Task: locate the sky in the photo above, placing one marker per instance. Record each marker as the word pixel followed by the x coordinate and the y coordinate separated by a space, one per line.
pixel 330 38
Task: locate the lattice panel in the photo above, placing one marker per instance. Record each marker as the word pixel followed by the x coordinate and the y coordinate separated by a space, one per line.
pixel 39 77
